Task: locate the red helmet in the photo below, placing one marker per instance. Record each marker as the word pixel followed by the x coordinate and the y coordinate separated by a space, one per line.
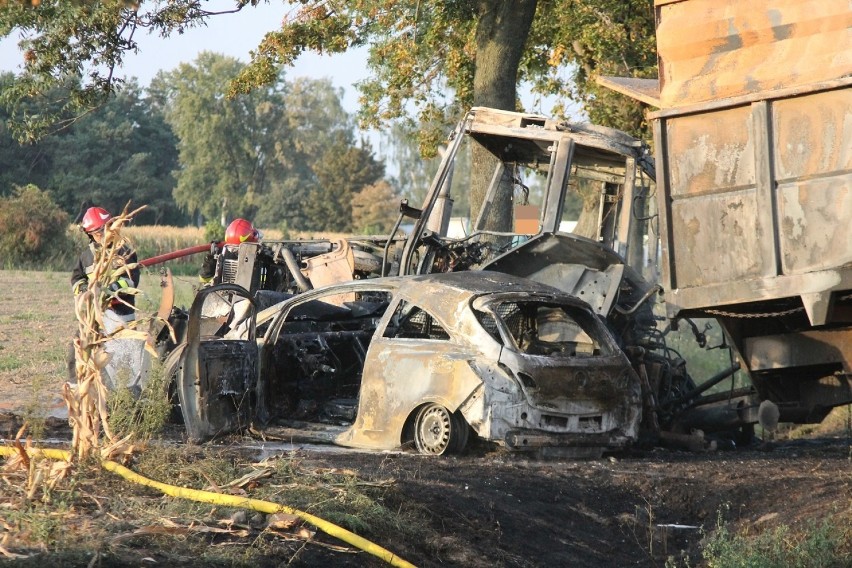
pixel 241 231
pixel 95 219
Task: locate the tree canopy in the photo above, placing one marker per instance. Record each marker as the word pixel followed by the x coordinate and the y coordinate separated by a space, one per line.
pixel 286 155
pixel 123 150
pixel 282 154
pixel 224 144
pixel 85 41
pixel 430 60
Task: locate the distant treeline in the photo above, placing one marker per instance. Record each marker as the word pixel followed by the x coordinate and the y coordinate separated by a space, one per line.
pixel 286 156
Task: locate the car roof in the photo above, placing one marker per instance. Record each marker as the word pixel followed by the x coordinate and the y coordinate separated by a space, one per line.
pixel 444 293
pixel 462 286
pixel 480 282
pixel 468 283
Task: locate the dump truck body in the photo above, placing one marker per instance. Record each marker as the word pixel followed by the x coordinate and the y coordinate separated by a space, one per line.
pixel 753 146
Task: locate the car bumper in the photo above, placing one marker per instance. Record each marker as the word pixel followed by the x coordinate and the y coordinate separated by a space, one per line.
pixel 522 440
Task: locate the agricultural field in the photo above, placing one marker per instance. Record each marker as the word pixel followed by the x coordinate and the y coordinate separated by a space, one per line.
pixel 37 322
pixel 781 504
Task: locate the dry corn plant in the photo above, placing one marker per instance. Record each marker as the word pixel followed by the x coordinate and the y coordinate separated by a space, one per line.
pixel 87 404
pixel 27 472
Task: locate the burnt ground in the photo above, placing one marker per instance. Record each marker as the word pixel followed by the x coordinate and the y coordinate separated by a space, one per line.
pixel 495 509
pixel 491 508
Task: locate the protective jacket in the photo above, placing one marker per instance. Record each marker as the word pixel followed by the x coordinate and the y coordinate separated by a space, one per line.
pixel 82 273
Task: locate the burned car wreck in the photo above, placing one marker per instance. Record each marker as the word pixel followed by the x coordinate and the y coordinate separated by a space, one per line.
pixel 545 174
pixel 422 362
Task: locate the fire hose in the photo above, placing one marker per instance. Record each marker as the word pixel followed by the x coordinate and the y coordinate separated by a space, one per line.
pixel 176 254
pixel 201 496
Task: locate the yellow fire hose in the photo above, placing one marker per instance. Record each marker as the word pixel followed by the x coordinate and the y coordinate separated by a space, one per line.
pixel 230 501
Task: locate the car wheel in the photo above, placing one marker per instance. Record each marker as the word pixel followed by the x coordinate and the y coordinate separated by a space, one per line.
pixel 437 431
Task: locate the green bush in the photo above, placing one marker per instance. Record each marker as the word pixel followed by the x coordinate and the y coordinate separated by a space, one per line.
pixel 214 231
pixel 28 231
pixel 823 545
pixel 143 415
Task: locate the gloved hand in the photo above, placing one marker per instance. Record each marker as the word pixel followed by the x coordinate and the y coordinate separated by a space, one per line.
pixel 208 267
pixel 80 286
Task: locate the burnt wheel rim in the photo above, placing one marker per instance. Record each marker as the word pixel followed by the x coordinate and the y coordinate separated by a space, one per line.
pixel 434 430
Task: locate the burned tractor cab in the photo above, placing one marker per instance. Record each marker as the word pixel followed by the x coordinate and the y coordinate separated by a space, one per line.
pixel 507 177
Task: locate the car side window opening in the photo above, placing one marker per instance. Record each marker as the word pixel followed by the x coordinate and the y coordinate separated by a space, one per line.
pixel 412 322
pixel 315 363
pixel 489 324
pixel 542 329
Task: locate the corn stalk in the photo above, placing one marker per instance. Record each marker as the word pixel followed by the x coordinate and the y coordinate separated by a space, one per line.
pixel 88 412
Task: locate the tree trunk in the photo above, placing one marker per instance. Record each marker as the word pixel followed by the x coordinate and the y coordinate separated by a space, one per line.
pixel 501 36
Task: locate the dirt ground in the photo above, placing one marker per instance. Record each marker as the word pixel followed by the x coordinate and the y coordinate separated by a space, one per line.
pixel 499 510
pixel 488 507
pixel 491 508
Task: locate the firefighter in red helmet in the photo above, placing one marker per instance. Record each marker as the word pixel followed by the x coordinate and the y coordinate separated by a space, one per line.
pixel 239 231
pixel 94 220
pixel 220 266
pixel 94 223
pixel 121 309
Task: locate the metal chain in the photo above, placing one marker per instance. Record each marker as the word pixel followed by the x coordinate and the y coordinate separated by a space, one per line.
pixel 764 314
pixel 754 316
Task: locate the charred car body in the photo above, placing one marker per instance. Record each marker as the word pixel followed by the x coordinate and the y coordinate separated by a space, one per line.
pixel 418 361
pixel 535 167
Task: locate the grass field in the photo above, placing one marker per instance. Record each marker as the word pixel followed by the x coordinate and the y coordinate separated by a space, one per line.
pixel 37 323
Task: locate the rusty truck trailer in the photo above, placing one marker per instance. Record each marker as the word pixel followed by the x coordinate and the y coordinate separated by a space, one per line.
pixel 753 137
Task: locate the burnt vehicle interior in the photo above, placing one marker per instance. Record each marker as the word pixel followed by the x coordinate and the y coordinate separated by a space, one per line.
pixel 314 359
pixel 541 329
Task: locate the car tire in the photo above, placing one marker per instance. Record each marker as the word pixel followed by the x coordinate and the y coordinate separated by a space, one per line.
pixel 463 433
pixel 437 431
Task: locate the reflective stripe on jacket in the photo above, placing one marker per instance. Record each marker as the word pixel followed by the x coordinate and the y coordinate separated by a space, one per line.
pixel 84 269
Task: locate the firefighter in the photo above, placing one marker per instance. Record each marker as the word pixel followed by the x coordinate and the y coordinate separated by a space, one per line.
pixel 238 232
pixel 126 353
pixel 121 309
